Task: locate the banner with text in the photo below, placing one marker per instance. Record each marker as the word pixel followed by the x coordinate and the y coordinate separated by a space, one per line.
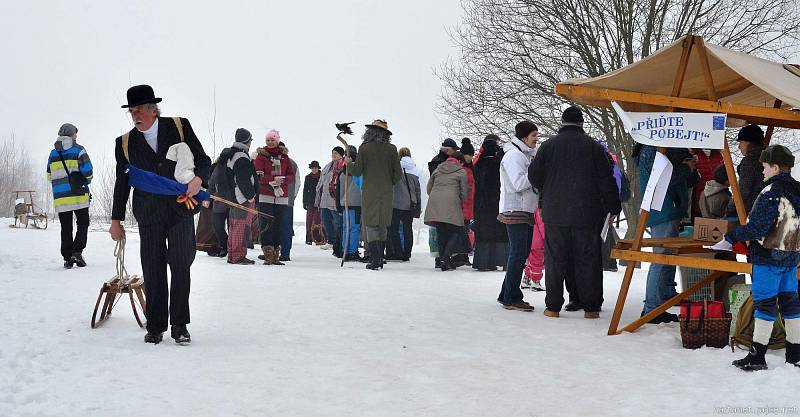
pixel 675 130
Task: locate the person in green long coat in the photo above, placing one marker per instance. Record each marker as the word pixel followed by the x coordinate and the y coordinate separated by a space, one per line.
pixel 379 165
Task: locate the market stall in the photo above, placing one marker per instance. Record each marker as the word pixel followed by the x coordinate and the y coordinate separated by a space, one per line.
pixel 692 76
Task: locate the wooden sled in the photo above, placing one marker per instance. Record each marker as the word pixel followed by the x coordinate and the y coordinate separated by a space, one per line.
pixel 119 286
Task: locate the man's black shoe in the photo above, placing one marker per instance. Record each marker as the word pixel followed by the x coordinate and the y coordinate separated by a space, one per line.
pixel 284 259
pixel 664 317
pixel 180 334
pixel 68 264
pixel 573 306
pixel 154 338
pixel 77 258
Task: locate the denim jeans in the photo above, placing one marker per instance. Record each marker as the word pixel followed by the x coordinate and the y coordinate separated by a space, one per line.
pixel 354 225
pixel 661 278
pixel 332 223
pixel 519 246
pixel 287 231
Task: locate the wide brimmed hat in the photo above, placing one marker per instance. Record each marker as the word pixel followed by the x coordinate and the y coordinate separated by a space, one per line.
pixel 314 164
pixel 380 124
pixel 141 94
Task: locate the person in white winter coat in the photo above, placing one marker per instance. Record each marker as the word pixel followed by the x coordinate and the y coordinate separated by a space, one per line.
pixel 518 201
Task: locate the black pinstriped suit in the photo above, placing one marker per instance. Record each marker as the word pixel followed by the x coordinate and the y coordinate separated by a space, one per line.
pixel 165 227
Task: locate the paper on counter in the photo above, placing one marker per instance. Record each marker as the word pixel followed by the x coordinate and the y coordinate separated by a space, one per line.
pixel 721 245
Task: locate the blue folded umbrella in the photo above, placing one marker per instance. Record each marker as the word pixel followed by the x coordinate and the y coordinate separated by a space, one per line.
pixel 153 183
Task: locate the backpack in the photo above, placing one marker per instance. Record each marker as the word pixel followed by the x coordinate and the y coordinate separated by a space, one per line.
pixel 745 322
pixel 220 181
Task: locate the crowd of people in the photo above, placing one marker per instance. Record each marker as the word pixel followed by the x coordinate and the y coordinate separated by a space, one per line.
pixel 534 211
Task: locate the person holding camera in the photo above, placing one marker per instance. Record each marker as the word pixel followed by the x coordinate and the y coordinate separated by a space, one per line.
pixel 69 171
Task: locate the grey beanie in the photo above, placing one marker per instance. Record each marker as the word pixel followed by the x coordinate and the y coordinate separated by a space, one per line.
pixel 68 129
pixel 243 135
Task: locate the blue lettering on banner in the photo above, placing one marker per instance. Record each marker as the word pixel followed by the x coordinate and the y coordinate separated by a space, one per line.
pixel 695 135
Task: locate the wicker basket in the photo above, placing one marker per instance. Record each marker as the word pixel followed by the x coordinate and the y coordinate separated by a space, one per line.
pixel 718 332
pixel 704 331
pixel 710 332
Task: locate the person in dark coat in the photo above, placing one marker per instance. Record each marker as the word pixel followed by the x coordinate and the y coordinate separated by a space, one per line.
pixel 491 239
pixel 236 180
pixel 750 171
pixel 448 148
pixel 576 183
pixel 379 164
pixel 314 230
pixel 166 228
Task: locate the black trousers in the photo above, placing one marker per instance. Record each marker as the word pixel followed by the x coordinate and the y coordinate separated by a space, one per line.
pixel 78 244
pixel 448 238
pixel 271 235
pixel 170 242
pixel 573 251
pixel 394 248
pixel 219 221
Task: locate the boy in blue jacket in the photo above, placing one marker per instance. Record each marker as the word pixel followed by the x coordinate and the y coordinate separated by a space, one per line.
pixel 773 230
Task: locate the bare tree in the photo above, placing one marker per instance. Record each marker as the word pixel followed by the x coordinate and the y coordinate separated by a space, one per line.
pixel 513 52
pixel 212 124
pixel 19 172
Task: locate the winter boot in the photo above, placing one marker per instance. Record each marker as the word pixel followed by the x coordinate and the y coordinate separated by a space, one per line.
pixel 437 262
pixel 375 262
pixel 268 252
pixel 153 337
pixel 519 306
pixel 382 249
pixel 446 264
pixel 276 254
pixel 793 353
pixel 536 286
pixel 460 259
pixel 754 361
pixel 68 263
pixel 180 334
pixel 77 258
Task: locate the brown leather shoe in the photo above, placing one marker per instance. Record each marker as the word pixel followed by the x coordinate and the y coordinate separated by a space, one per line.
pixel 553 314
pixel 520 306
pixel 591 315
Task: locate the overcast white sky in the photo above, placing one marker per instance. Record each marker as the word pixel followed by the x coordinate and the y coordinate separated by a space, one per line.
pixel 296 66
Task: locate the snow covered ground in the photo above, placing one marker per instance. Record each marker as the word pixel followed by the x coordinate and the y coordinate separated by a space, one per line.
pixel 311 339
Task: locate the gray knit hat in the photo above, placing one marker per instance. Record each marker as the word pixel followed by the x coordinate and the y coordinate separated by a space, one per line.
pixel 68 129
pixel 243 135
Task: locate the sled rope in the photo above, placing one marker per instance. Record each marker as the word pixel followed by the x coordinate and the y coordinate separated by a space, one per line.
pixel 119 253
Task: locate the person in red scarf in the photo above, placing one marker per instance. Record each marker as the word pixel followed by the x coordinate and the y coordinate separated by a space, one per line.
pixel 707 161
pixel 277 176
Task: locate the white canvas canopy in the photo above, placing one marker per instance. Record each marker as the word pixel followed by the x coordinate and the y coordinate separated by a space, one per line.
pixel 739 80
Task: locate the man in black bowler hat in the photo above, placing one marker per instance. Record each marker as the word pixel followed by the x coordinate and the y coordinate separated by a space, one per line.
pixel 166 228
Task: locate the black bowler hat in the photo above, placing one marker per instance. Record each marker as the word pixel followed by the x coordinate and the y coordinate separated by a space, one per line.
pixel 141 94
